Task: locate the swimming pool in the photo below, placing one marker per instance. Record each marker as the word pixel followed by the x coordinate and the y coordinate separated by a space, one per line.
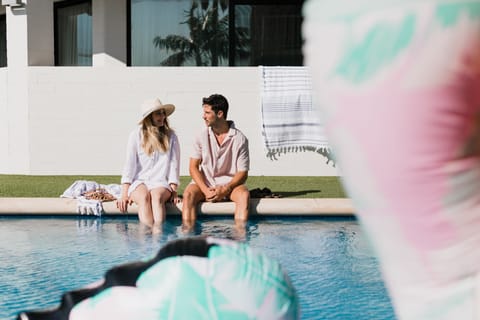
pixel 328 259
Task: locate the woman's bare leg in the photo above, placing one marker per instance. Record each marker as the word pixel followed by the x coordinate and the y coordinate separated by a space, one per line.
pixel 141 197
pixel 158 198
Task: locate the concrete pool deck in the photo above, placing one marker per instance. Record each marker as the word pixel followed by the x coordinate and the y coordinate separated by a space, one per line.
pixel 261 207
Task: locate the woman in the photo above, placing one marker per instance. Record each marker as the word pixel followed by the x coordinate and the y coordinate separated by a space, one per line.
pixel 151 173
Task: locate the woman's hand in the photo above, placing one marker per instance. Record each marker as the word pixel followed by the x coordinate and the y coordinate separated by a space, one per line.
pixel 123 203
pixel 175 198
pixel 174 194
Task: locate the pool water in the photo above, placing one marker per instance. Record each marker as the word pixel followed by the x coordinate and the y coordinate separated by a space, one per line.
pixel 328 259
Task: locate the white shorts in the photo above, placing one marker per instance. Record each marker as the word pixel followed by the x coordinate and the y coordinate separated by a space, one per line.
pixel 149 184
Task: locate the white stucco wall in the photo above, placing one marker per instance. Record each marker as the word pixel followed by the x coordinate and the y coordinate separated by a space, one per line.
pixel 80 117
pixel 17 152
pixel 110 29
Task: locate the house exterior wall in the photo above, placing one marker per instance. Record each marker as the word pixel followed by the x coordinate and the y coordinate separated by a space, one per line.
pixel 76 120
pixel 80 117
pixel 17 91
pixel 40 33
pixel 110 29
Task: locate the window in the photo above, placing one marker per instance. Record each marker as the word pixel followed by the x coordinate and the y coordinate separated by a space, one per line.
pixel 179 32
pixel 3 40
pixel 267 34
pixel 73 33
pixel 214 32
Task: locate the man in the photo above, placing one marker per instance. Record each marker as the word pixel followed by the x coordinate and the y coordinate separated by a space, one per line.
pixel 219 164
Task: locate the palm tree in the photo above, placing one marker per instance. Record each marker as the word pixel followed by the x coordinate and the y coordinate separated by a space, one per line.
pixel 208 39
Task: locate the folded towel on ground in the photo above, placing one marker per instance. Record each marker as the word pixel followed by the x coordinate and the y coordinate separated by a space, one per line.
pixel 89 207
pixel 290 123
pixel 90 195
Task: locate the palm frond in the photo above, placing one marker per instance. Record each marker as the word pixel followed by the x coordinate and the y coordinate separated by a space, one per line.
pixel 204 4
pixel 172 42
pixel 176 59
pixel 208 41
pixel 224 4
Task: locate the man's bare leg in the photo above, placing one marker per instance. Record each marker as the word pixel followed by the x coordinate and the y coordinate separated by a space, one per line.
pixel 192 195
pixel 141 197
pixel 241 196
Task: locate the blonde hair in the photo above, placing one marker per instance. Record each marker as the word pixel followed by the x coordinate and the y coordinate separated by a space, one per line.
pixel 154 138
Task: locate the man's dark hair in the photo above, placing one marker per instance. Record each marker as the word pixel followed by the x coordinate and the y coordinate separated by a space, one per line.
pixel 218 103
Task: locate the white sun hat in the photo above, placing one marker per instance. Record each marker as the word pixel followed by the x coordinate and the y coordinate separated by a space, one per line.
pixel 153 105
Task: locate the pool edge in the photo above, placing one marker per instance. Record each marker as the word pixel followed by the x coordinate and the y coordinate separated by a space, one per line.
pixel 263 206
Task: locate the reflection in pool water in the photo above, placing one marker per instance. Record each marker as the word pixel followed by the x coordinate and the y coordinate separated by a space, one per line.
pixel 328 260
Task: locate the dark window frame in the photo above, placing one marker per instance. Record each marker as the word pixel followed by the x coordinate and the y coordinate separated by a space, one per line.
pixel 3 20
pixel 129 32
pixel 231 24
pixel 60 5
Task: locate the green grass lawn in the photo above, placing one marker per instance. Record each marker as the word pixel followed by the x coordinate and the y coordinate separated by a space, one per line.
pixel 288 187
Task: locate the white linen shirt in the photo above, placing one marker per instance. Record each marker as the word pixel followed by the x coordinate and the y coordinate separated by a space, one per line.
pixel 158 170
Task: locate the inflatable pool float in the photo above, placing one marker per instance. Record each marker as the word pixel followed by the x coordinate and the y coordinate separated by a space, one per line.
pixel 189 278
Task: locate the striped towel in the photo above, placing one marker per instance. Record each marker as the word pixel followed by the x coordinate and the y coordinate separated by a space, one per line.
pixel 290 122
